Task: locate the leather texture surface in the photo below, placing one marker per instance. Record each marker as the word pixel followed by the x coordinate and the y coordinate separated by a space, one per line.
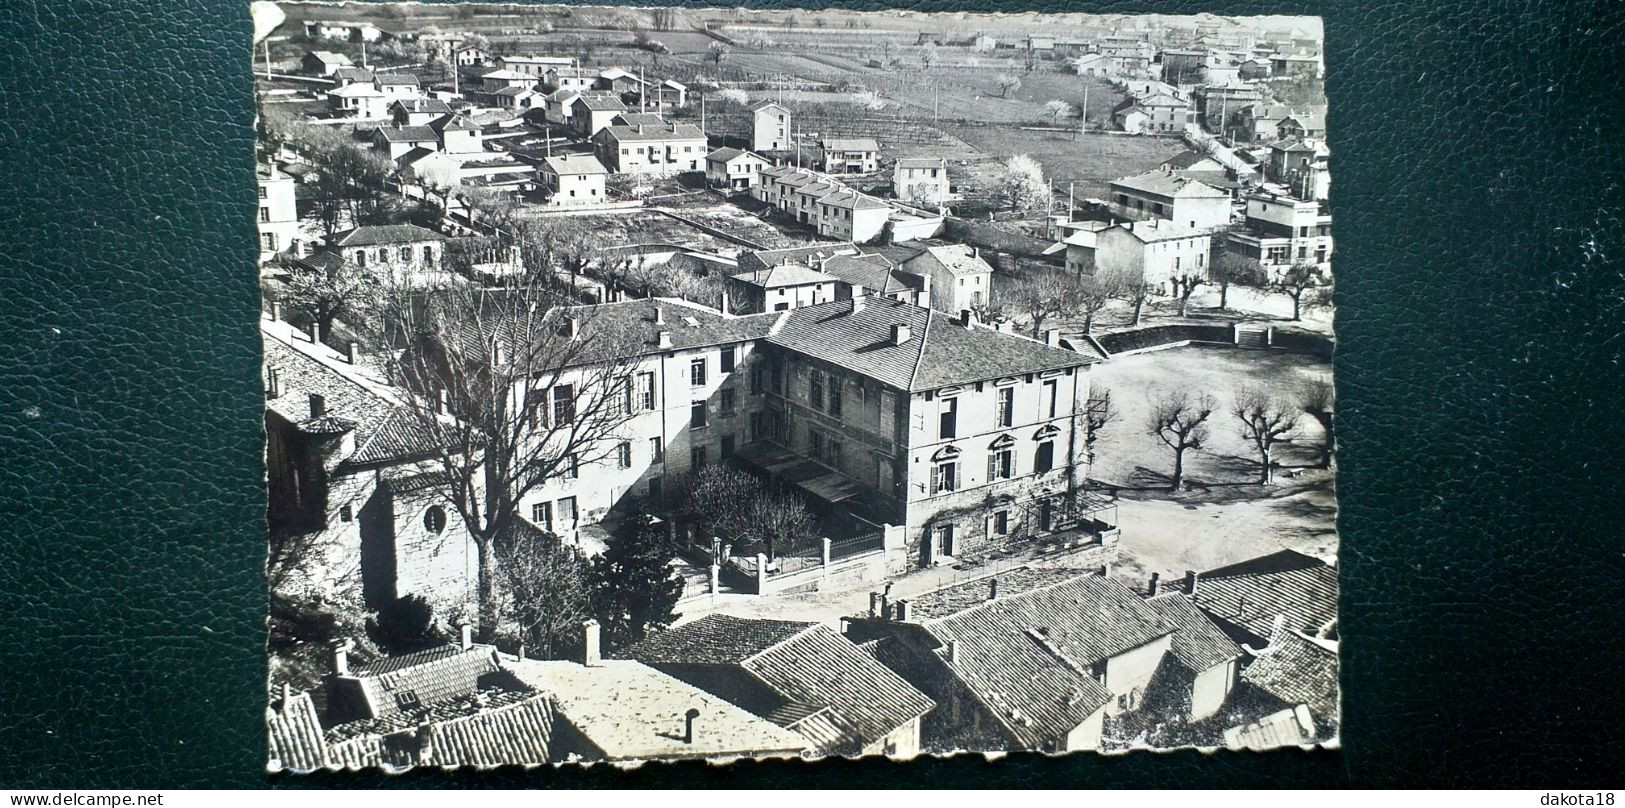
pixel 1482 305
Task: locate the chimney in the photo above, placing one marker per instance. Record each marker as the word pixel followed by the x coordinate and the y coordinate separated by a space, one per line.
pixel 967 318
pixel 276 310
pixel 574 326
pixel 953 652
pixel 665 339
pixel 900 334
pixel 341 658
pixel 1190 582
pixel 660 316
pixel 273 384
pixel 688 724
pixel 902 611
pixel 467 636
pixel 1052 337
pixel 874 604
pixel 287 696
pixel 993 589
pixel 318 405
pixel 354 352
pixel 425 739
pixel 885 606
pixel 1156 585
pixel 591 655
pixel 976 252
pixel 442 402
pixel 726 309
pixel 857 300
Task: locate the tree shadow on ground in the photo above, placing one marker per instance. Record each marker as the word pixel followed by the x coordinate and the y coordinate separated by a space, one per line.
pixel 1145 484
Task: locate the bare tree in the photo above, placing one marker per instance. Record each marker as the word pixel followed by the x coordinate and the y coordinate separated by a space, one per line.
pixel 1318 399
pixel 928 56
pixel 1134 290
pixel 716 501
pixel 514 389
pixel 1265 421
pixel 554 243
pixel 1185 285
pixel 1040 296
pixel 1091 298
pixel 777 520
pixel 1008 84
pixel 1295 282
pixel 888 51
pixel 488 207
pixel 1179 420
pixel 545 589
pixel 1097 415
pixel 1230 268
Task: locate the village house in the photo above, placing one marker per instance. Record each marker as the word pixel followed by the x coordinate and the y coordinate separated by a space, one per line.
pixel 591 114
pixel 397 247
pixel 780 287
pixel 875 276
pixel 770 127
pixel 1302 126
pixel 471 56
pixel 361 100
pixel 1253 600
pixel 651 150
pixel 922 180
pixel 850 155
pixel 1077 245
pixel 977 647
pixel 457 134
pixel 1154 250
pixel 1203 664
pixel 1156 113
pixel 278 218
pixel 346 76
pixel 1215 103
pixel 1145 88
pixel 535 66
pixel 417 111
pixel 396 86
pixel 574 179
pixel 1163 194
pixel 733 169
pixel 1280 232
pixel 804 677
pixel 345 470
pixel 1294 64
pixel 346 31
pixel 396 141
pixel 501 79
pixel 1295 674
pixel 1301 166
pixel 324 63
pixel 1259 122
pixel 959 278
pixel 557 106
pixel 1183 66
pixel 577 79
pixel 823 203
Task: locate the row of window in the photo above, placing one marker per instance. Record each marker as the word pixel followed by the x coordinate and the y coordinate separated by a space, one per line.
pixel 403 254
pixel 1001 465
pixel 1003 411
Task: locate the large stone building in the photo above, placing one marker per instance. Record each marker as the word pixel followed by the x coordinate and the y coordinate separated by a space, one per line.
pixel 1165 194
pixel 278 218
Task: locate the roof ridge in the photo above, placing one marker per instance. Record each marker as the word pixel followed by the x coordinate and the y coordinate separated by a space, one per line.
pixel 806 627
pixel 386 393
pixel 919 357
pixel 1083 574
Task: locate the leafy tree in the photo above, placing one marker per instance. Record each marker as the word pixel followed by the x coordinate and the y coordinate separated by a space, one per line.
pixel 1007 84
pixel 733 95
pixel 1230 268
pixel 716 53
pixel 1020 184
pixel 343 290
pixel 634 587
pixel 1179 420
pixel 546 590
pixel 1295 282
pixel 1318 399
pixel 1057 109
pixel 1265 421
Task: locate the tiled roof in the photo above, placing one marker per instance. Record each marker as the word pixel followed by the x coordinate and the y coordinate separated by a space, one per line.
pixel 872 272
pixel 680 131
pixel 600 103
pixel 397 78
pixel 1249 595
pixel 1297 670
pixel 429 105
pixel 958 260
pixel 716 639
pixel 295 731
pixel 865 144
pixel 432 676
pixel 329 57
pixel 515 733
pixel 725 154
pixel 761 105
pixel 1185 159
pixel 862 343
pixel 636 118
pixel 951 600
pixel 921 162
pixel 799 255
pixel 356 90
pixel 407 134
pixel 1273 731
pixel 375 234
pixel 505 75
pixel 806 664
pixel 353 74
pixel 1163 183
pixel 1154 230
pixel 629 711
pixel 574 164
pixel 783 275
pixel 453 123
pixel 1197 643
pixel 1161 100
pixel 1291 145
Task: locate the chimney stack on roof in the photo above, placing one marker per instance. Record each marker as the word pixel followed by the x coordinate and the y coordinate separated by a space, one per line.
pixel 1052 337
pixel 993 589
pixel 276 310
pixel 425 739
pixel 573 327
pixel 353 352
pixel 273 384
pixel 660 316
pixel 664 340
pixel 688 724
pixel 857 300
pixel 726 309
pixel 341 658
pixel 318 405
pixel 1156 585
pixel 953 652
pixel 900 333
pixel 467 632
pixel 1191 580
pixel 591 653
pixel 967 318
pixel 901 612
pixel 874 604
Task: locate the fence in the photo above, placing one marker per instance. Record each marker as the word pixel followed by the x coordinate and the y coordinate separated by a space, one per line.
pixel 1159 337
pixel 862 558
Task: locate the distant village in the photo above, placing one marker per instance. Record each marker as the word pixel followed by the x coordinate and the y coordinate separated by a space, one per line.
pixel 668 383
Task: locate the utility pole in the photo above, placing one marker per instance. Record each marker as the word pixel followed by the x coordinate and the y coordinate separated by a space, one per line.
pixel 702 114
pixel 363 53
pixel 643 92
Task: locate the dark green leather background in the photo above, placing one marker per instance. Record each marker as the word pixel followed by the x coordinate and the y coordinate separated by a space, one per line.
pixel 1482 304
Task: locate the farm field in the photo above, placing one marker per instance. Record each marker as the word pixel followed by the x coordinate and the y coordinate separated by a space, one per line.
pixel 1089 160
